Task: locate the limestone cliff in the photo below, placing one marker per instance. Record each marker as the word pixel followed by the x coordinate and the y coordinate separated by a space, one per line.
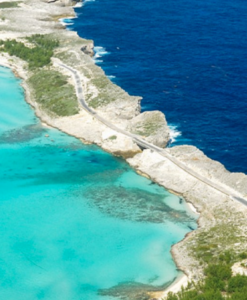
pixel 152 126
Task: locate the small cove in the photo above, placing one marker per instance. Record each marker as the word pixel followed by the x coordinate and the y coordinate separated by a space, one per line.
pixel 76 222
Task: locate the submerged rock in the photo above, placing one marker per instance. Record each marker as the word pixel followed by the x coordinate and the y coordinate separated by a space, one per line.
pixel 22 135
pixel 133 291
pixel 134 205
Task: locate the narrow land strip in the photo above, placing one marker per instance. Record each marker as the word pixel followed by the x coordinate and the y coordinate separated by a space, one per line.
pixel 144 144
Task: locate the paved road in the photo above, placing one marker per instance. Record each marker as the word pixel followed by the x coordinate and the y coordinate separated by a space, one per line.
pixel 144 144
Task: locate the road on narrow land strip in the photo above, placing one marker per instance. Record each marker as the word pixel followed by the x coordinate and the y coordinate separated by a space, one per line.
pixel 144 144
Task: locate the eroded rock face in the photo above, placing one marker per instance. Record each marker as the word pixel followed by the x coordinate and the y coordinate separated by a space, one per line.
pixel 119 144
pixel 62 2
pixel 214 170
pixel 88 49
pixel 169 174
pixel 152 126
pixel 124 108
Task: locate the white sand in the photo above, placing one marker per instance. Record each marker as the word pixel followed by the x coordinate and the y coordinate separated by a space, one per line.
pixel 181 281
pixel 192 208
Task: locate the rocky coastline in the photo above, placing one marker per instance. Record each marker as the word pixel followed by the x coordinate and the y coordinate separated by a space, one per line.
pixel 222 218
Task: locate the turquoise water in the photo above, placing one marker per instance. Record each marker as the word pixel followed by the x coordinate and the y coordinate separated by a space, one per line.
pixel 76 222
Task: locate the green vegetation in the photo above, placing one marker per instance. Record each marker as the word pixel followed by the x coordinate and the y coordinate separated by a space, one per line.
pixel 219 284
pixel 43 41
pixel 104 97
pixel 54 93
pixel 113 137
pixel 150 125
pixel 206 248
pixel 9 4
pixel 147 128
pixel 50 88
pixel 243 255
pixel 37 56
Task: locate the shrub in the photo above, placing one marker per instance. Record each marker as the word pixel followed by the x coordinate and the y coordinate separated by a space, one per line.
pixel 243 255
pixel 54 93
pixel 227 257
pixel 237 283
pixel 220 271
pixel 214 284
pixel 238 296
pixel 42 41
pixel 9 4
pixel 36 57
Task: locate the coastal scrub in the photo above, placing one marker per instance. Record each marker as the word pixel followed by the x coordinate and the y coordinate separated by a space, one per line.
pixel 54 93
pixel 219 283
pixel 37 54
pixel 9 4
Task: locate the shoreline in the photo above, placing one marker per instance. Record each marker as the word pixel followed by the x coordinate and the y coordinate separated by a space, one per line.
pixel 176 286
pixel 198 196
pixel 182 280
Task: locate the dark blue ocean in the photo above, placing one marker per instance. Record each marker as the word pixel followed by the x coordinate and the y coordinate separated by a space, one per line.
pixel 185 58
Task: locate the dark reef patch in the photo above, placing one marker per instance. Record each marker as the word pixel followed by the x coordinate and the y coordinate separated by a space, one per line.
pixel 133 291
pixel 22 135
pixel 134 204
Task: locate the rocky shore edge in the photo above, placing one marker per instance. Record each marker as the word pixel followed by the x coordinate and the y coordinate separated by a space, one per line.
pixel 222 218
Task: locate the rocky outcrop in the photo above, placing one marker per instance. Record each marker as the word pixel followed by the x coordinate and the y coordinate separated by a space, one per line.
pixel 169 174
pixel 119 144
pixel 124 108
pixel 63 2
pixel 88 49
pixel 195 159
pixel 240 268
pixel 151 126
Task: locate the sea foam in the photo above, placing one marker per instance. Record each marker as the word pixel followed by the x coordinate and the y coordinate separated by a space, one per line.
pixel 111 77
pixel 99 52
pixel 78 4
pixel 66 21
pixel 174 133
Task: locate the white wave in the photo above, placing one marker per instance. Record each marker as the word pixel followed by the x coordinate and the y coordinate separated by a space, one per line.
pixel 111 76
pixel 78 4
pixel 100 51
pixel 89 1
pixel 174 133
pixel 98 61
pixel 66 22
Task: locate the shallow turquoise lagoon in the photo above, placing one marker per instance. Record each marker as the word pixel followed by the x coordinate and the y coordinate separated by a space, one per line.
pixel 76 222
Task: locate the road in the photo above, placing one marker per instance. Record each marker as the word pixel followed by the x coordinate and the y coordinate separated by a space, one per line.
pixel 144 144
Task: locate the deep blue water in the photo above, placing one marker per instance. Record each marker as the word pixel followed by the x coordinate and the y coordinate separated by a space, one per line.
pixel 74 220
pixel 186 58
